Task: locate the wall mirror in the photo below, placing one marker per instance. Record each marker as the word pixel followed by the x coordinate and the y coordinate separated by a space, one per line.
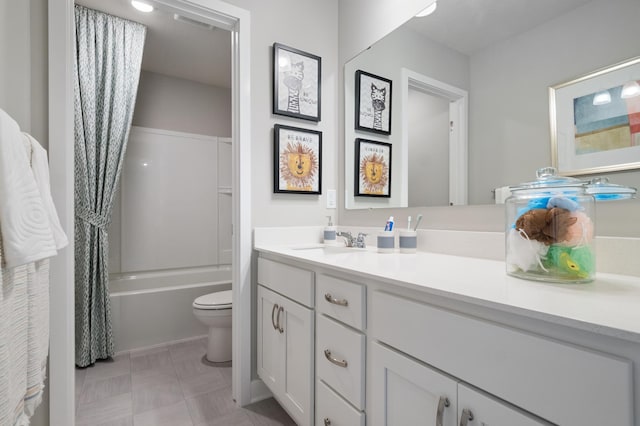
pixel 469 107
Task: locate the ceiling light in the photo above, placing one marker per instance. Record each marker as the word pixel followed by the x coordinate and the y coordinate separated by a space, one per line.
pixel 142 6
pixel 602 98
pixel 630 89
pixel 428 10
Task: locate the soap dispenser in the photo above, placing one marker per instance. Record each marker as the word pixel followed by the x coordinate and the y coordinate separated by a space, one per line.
pixel 330 232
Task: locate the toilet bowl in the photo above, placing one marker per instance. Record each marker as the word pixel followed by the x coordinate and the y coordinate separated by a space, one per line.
pixel 214 311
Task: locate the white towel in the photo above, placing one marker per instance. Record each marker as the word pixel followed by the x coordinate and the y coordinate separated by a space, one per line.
pixel 40 170
pixel 24 220
pixel 30 233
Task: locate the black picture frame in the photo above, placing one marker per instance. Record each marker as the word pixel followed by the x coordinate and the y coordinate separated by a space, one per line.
pixel 297 160
pixel 373 103
pixel 372 168
pixel 297 77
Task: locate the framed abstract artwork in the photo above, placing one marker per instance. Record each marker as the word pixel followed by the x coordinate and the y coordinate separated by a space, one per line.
pixel 296 83
pixel 372 169
pixel 373 103
pixel 297 161
pixel 595 121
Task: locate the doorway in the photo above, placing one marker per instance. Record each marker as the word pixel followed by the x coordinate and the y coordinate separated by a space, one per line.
pixel 434 92
pixel 61 24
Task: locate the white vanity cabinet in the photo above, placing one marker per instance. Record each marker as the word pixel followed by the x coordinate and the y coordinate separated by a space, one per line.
pixel 286 337
pixel 340 351
pixel 407 392
pixel 561 383
pixel 380 350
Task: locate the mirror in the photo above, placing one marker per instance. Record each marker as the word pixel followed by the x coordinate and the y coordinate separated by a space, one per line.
pixel 500 58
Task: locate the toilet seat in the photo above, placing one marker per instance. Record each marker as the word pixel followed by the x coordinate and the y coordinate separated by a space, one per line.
pixel 214 301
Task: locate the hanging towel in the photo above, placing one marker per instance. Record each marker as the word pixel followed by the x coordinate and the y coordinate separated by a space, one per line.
pixel 24 220
pixel 30 233
pixel 40 170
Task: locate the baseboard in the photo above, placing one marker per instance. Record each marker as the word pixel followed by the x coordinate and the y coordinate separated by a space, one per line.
pixel 160 345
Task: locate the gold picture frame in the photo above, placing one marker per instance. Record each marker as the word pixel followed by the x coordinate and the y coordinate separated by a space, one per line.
pixel 595 121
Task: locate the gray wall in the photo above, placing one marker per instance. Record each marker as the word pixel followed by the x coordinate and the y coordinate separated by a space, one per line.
pixel 311 26
pixel 428 149
pixel 23 87
pixel 170 103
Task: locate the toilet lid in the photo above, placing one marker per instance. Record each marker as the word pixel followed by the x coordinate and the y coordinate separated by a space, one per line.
pixel 217 300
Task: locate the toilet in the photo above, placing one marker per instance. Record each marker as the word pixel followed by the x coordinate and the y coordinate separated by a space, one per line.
pixel 214 311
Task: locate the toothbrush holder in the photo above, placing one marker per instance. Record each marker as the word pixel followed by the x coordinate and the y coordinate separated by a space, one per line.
pixel 408 241
pixel 386 241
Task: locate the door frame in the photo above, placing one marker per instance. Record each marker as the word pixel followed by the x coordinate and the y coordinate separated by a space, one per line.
pixel 458 132
pixel 61 159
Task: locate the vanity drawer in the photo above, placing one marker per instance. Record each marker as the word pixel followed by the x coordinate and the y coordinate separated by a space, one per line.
pixel 332 410
pixel 340 359
pixel 342 300
pixel 562 383
pixel 295 283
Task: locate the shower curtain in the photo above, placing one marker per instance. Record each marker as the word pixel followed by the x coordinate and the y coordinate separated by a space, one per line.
pixel 107 70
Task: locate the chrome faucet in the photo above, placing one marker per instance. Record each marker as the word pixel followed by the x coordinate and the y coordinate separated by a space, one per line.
pixel 351 241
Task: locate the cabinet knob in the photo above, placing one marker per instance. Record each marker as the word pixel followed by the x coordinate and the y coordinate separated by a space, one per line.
pixel 338 362
pixel 280 328
pixel 466 417
pixel 442 404
pixel 273 311
pixel 329 298
pixel 327 422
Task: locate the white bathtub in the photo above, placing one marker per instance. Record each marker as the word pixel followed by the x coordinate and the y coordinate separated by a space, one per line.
pixel 152 308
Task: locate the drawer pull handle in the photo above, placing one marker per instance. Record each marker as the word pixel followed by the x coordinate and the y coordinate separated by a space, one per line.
pixel 442 404
pixel 280 329
pixel 327 422
pixel 273 311
pixel 329 298
pixel 466 417
pixel 338 362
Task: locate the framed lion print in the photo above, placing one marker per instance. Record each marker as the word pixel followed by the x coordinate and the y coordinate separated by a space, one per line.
pixel 297 160
pixel 373 169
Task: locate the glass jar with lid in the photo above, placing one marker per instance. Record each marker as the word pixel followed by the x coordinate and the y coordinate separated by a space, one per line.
pixel 550 229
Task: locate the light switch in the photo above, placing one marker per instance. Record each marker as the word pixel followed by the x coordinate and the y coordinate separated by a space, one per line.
pixel 331 199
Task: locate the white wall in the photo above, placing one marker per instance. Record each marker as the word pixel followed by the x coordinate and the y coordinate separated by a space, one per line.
pixel 311 26
pixel 509 123
pixel 170 103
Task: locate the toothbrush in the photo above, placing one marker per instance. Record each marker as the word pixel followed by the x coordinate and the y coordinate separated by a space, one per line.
pixel 409 223
pixel 417 222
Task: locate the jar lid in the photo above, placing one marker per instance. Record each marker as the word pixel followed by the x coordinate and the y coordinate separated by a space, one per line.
pixel 602 190
pixel 548 179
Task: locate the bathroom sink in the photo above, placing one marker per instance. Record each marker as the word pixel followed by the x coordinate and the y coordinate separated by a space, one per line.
pixel 327 249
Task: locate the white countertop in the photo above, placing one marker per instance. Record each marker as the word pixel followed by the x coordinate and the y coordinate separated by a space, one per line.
pixel 610 305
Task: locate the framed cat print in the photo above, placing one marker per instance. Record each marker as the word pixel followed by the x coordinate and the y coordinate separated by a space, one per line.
pixel 296 83
pixel 297 162
pixel 373 169
pixel 373 103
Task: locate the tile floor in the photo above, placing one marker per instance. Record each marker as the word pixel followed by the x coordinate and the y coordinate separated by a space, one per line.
pixel 167 385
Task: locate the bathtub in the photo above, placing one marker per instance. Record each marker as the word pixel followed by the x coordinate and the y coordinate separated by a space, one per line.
pixel 153 308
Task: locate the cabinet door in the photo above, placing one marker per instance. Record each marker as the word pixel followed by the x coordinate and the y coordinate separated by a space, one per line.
pixel 481 409
pixel 297 324
pixel 405 392
pixel 270 341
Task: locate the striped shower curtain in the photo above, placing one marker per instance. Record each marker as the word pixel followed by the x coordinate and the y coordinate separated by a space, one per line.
pixel 107 70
